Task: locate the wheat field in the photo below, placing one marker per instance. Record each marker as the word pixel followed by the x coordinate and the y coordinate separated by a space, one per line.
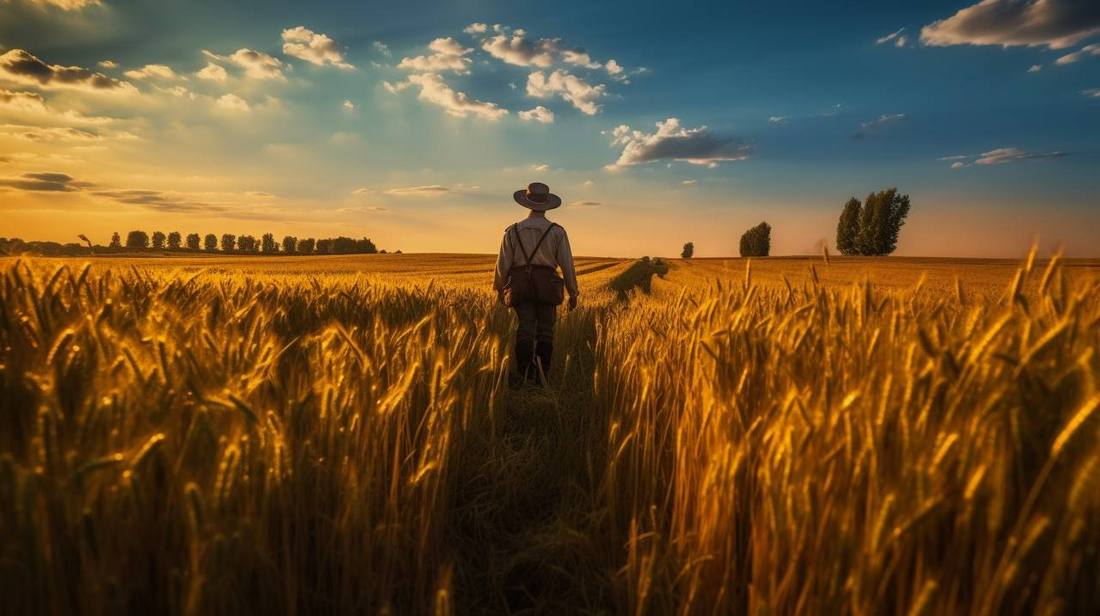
pixel 335 435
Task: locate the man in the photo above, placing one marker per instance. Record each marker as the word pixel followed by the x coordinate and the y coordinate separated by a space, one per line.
pixel 526 279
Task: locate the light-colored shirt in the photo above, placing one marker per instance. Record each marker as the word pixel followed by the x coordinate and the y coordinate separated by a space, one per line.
pixel 554 251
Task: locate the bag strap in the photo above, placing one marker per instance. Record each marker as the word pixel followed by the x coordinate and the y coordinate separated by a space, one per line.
pixel 527 257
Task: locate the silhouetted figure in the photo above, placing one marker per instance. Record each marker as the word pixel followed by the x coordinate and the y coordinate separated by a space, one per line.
pixel 527 280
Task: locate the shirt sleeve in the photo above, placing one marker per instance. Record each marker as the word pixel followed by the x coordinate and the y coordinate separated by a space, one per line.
pixel 565 261
pixel 504 262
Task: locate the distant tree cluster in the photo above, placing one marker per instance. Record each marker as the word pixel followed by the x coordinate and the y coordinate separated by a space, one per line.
pixel 688 251
pixel 193 242
pixel 757 241
pixel 872 227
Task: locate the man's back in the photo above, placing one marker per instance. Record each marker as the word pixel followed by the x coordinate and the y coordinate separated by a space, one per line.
pixel 554 251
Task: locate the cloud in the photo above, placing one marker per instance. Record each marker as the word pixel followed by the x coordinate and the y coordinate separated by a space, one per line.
pixel 1001 156
pixel 33 104
pixel 256 64
pixel 107 64
pixel 213 72
pixel 697 146
pixel 362 191
pixel 778 119
pixel 447 55
pixel 573 89
pixel 158 200
pixel 878 123
pixel 899 38
pixel 432 190
pixel 348 105
pixel 540 167
pixel 1055 23
pixel 65 5
pixel 538 114
pixel 579 57
pixel 44 182
pixel 959 165
pixel 1035 68
pixel 1094 93
pixel 1070 58
pixel 434 90
pixel 382 48
pixel 49 134
pixel 586 204
pixel 613 68
pixel 23 67
pixel 232 102
pixel 25 101
pixel 955 157
pixel 519 50
pixel 475 28
pixel 313 47
pixel 690 182
pixel 159 71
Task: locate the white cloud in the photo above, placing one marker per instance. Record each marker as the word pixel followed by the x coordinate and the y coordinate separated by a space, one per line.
pixel 689 182
pixel 777 119
pixel 879 123
pixel 588 183
pixel 159 71
pixel 573 89
pixel 475 28
pixel 579 57
pixel 613 67
pixel 256 64
pixel 540 167
pixel 1035 68
pixel 66 5
pixel 538 114
pixel 232 102
pixel 1055 23
pixel 107 64
pixel 447 55
pixel 313 47
pixel 697 146
pixel 213 72
pixel 382 48
pixel 959 165
pixel 432 190
pixel 1002 156
pixel 519 50
pixel 1094 93
pixel 348 105
pixel 1070 58
pixel 434 90
pixel 899 38
pixel 586 204
pixel 23 67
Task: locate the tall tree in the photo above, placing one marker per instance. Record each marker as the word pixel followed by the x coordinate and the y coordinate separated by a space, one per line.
pixel 268 245
pixel 324 246
pixel 193 241
pixel 210 242
pixel 229 242
pixel 158 240
pixel 847 229
pixel 137 239
pixel 880 222
pixel 116 241
pixel 246 243
pixel 688 251
pixel 174 240
pixel 757 241
pixel 290 244
pixel 305 246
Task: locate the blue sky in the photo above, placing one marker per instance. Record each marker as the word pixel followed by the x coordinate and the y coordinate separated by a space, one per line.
pixel 413 122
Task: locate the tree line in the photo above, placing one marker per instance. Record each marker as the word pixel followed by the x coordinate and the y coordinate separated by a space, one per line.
pixel 867 228
pixel 244 244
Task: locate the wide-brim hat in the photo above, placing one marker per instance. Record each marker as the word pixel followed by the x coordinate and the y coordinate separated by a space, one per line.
pixel 537 197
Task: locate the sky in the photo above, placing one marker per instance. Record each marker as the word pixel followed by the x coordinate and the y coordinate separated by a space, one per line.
pixel 657 123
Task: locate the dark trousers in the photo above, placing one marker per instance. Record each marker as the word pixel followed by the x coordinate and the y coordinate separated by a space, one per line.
pixel 534 338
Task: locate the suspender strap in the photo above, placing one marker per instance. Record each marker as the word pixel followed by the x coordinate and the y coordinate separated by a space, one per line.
pixel 527 257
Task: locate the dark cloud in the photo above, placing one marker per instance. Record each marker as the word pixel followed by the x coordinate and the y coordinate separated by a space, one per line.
pixel 1055 23
pixel 698 146
pixel 158 200
pixel 44 182
pixel 22 66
